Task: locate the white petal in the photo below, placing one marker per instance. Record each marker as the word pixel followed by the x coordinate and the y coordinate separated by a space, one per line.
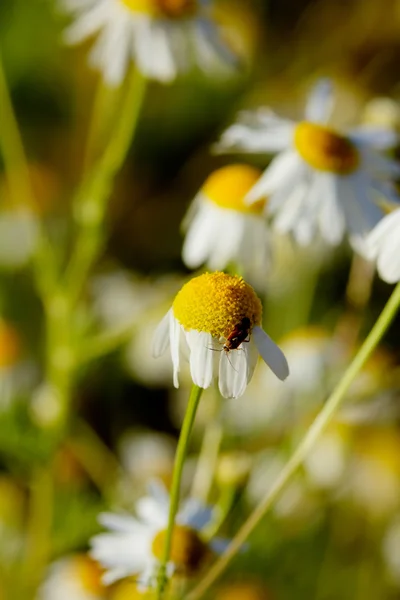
pixel 201 357
pixel 194 514
pixel 226 247
pixel 201 236
pixel 151 512
pixel 252 358
pixel 119 523
pixel 275 137
pixel 174 340
pixel 376 137
pixel 212 54
pixel 388 225
pixel 89 23
pixel 271 353
pixel 331 219
pixel 280 169
pixel 161 336
pixel 320 102
pixel 233 371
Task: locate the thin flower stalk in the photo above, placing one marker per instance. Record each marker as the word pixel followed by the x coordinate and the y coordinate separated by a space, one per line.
pixel 181 453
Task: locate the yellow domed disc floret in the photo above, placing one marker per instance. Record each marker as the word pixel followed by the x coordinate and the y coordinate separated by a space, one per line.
pixel 188 551
pixel 216 303
pixel 325 150
pixel 89 574
pixel 170 9
pixel 228 186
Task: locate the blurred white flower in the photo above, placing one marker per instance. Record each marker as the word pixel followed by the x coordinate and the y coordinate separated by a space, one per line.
pixel 134 546
pixel 74 577
pixel 218 312
pixel 147 455
pixel 163 37
pixel 19 234
pixel 322 181
pixel 222 230
pixel 383 245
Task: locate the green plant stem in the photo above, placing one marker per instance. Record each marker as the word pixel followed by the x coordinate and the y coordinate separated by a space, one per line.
pixel 20 185
pixel 107 342
pixel 317 427
pixel 38 533
pixel 181 453
pixel 91 200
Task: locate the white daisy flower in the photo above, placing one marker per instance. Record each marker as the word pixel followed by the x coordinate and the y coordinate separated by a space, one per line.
pixel 321 181
pixel 162 36
pixel 75 577
pixel 383 245
pixel 134 545
pixel 222 229
pixel 213 314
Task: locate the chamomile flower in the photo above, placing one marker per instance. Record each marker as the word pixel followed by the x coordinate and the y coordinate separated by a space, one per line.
pixel 162 36
pixel 222 229
pixel 216 314
pixel 134 545
pixel 321 181
pixel 75 577
pixel 383 245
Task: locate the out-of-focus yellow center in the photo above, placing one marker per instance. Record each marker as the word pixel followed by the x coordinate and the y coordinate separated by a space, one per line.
pixel 187 549
pixel 325 150
pixel 228 186
pixel 10 345
pixel 128 590
pixel 170 9
pixel 216 303
pixel 89 574
pixel 242 590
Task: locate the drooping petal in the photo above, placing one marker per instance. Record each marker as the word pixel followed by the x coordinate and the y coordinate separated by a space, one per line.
pixel 174 340
pixel 271 353
pixel 201 357
pixel 233 373
pixel 320 102
pixel 161 336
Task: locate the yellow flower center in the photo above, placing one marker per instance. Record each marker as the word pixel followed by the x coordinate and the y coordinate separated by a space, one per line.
pixel 128 590
pixel 89 574
pixel 216 303
pixel 187 549
pixel 241 590
pixel 10 345
pixel 325 150
pixel 170 9
pixel 228 186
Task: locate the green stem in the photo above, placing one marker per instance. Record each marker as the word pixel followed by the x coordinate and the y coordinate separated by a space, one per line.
pixel 91 201
pixel 317 427
pixel 181 452
pixel 20 185
pixel 107 342
pixel 15 162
